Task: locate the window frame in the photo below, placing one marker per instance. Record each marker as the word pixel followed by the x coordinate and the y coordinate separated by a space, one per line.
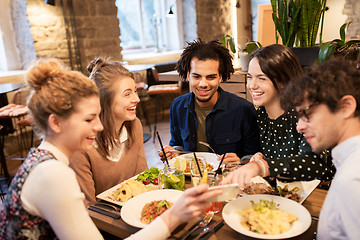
pixel 161 8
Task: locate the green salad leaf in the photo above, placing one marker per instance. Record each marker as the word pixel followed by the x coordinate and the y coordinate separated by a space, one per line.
pixel 149 174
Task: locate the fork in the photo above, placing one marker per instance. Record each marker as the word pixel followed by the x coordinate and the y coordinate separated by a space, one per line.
pixel 203 223
pixel 208 145
pixel 211 228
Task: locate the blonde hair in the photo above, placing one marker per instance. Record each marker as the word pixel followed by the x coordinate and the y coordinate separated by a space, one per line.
pixel 55 90
pixel 106 74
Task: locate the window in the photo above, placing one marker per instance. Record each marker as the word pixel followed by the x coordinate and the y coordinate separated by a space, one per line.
pixel 144 25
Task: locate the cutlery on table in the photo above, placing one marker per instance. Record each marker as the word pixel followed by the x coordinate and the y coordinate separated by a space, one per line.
pixel 211 228
pixel 104 211
pixel 203 223
pixel 208 145
pixel 108 206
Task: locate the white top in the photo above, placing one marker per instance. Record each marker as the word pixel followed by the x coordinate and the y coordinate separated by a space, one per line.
pixel 52 192
pixel 116 153
pixel 340 213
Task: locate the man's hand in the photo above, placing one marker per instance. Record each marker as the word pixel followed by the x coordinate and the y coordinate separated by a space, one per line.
pixel 169 154
pixel 230 159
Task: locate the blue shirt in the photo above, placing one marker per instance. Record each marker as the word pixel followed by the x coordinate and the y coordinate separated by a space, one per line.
pixel 340 213
pixel 230 127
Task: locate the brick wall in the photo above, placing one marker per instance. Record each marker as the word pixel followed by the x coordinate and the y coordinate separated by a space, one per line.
pixel 98 29
pixel 48 30
pixel 213 18
pixel 352 10
pixel 96 23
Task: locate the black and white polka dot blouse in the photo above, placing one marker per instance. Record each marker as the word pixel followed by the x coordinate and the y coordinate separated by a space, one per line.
pixel 287 151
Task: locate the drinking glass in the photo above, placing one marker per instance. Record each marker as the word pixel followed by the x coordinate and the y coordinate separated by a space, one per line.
pixel 194 169
pixel 172 178
pixel 213 180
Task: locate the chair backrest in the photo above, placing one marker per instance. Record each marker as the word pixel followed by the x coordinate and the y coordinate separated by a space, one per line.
pixel 152 74
pixel 20 96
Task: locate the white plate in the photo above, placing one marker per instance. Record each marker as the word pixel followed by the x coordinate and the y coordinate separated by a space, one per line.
pixel 105 195
pixel 233 219
pixel 131 211
pixel 211 158
pixel 305 187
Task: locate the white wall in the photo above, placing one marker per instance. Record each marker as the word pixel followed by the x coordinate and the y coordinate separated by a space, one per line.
pixel 334 18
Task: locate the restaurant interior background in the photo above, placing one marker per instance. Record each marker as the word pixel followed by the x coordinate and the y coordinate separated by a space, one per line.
pixel 31 28
pixel 76 31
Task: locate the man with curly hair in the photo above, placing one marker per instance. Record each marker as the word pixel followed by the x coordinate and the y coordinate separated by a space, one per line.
pixel 327 101
pixel 208 113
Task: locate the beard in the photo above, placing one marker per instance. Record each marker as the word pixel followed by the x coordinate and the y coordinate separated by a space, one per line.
pixel 207 99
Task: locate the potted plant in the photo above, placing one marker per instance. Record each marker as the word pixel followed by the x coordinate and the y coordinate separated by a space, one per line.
pixel 298 22
pixel 244 53
pixel 349 49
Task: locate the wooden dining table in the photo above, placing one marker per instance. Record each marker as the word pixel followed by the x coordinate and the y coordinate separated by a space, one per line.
pixel 119 228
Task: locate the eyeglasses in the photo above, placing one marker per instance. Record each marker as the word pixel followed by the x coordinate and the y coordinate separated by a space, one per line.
pixel 303 113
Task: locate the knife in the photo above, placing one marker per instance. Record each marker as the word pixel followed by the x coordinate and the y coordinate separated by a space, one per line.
pixel 104 211
pixel 212 228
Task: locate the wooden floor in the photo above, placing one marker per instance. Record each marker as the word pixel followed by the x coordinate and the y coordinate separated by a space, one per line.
pixel 151 149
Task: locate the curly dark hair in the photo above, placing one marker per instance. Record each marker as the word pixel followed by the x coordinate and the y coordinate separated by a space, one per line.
pixel 201 50
pixel 279 63
pixel 325 83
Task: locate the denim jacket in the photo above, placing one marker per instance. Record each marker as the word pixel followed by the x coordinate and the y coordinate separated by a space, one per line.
pixel 230 127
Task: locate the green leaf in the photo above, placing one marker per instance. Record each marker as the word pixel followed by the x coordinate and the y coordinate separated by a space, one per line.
pixel 343 29
pixel 228 42
pixel 353 42
pixel 150 173
pixel 326 51
pixel 252 47
pixel 232 45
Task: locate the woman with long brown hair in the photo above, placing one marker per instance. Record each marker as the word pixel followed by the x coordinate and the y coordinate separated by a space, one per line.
pixel 285 152
pixel 118 151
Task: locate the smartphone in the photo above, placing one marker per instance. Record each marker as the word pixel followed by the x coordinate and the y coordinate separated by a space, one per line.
pixel 229 192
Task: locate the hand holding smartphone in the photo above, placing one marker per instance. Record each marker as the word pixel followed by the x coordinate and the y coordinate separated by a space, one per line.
pixel 229 192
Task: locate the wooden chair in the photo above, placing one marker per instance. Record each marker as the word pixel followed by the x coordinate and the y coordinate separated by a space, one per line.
pixel 159 91
pixel 23 123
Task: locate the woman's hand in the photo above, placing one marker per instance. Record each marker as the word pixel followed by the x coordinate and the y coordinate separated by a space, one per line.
pixel 169 155
pixel 243 175
pixel 191 204
pixel 257 156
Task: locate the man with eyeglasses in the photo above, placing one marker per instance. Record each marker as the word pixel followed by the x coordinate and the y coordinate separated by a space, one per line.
pixel 327 100
pixel 209 114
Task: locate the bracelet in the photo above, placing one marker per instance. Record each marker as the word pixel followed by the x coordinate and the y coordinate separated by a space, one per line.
pixel 263 165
